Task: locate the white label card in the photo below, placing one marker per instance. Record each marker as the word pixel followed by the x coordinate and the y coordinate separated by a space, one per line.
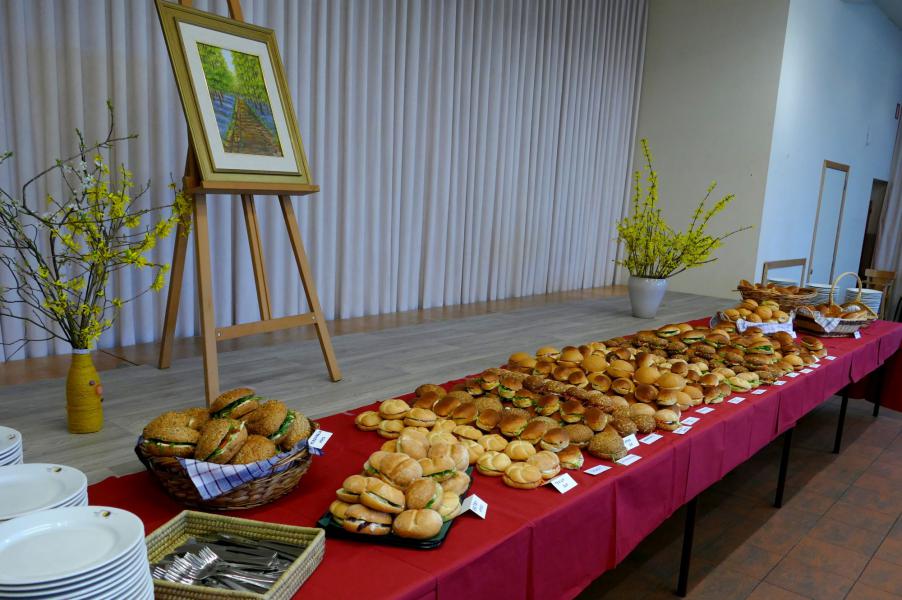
pixel 628 459
pixel 780 382
pixel 690 420
pixel 705 410
pixel 793 375
pixel 563 483
pixel 597 469
pixel 683 430
pixel 736 400
pixel 857 335
pixel 830 357
pixel 759 392
pixel 815 365
pixel 630 441
pixel 475 504
pixel 806 371
pixel 651 438
pixel 318 440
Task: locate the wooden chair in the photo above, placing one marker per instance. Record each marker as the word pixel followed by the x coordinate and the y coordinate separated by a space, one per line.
pixel 784 264
pixel 883 281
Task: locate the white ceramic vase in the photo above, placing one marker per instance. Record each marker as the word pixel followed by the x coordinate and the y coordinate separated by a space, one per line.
pixel 646 295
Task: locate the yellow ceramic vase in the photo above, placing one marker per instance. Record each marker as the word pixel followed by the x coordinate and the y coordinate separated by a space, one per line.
pixel 84 394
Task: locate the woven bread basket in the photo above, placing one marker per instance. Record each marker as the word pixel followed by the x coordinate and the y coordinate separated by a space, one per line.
pixel 813 321
pixel 170 473
pixel 787 302
pixel 189 523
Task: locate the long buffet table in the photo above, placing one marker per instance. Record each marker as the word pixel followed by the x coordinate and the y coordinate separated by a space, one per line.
pixel 540 543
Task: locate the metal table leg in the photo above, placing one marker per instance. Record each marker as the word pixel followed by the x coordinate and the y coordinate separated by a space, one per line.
pixel 784 465
pixel 688 533
pixel 837 444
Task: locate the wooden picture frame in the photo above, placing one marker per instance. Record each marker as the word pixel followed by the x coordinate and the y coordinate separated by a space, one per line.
pixel 233 90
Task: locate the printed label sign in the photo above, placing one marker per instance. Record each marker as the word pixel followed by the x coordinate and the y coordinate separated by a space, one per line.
pixel 475 504
pixel 690 420
pixel 630 441
pixel 759 392
pixel 705 410
pixel 318 440
pixel 628 459
pixel 597 469
pixel 651 438
pixel 736 400
pixel 563 483
pixel 682 430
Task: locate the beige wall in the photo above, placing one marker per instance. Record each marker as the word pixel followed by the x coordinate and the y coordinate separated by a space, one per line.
pixel 709 92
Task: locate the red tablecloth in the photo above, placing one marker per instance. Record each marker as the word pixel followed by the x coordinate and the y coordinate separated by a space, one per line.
pixel 540 544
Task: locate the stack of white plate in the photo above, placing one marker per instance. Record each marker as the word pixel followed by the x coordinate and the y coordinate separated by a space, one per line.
pixel 10 446
pixel 76 553
pixel 823 293
pixel 868 296
pixel 25 489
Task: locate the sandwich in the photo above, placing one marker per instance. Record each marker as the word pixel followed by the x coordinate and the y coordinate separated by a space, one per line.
pixel 467 432
pixel 644 423
pixel 256 448
pixel 519 450
pixel 508 387
pixel 424 493
pixel 607 444
pixel 393 409
pixel 493 442
pixel 493 463
pixel 624 426
pixel 464 414
pixel 267 418
pixel 571 458
pixel 534 431
pixel 450 506
pixel 368 420
pixel 573 411
pixel 338 509
pixel 458 483
pixel 196 417
pixel 669 331
pixel 524 398
pixel 380 496
pixel 512 424
pixel 351 489
pixel 596 419
pixel 299 428
pixel 234 404
pixel 578 434
pixel 555 440
pixel 429 388
pixel 220 440
pixel 361 519
pixel 420 417
pixel 549 404
pixel 440 469
pixel 488 419
pixel 169 435
pixel 474 450
pixel 548 463
pixel 398 470
pixel 522 476
pixel 419 524
pixel 667 419
pixel 390 428
pixel 548 352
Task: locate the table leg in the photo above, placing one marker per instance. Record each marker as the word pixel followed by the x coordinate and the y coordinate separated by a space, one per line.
pixel 837 443
pixel 688 533
pixel 784 465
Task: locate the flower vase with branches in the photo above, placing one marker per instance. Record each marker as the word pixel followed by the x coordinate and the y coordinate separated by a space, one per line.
pixel 58 254
pixel 652 250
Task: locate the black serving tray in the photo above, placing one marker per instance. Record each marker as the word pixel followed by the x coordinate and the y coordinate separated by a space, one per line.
pixel 335 530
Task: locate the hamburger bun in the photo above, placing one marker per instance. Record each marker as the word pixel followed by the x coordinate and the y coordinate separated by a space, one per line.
pixel 571 458
pixel 474 450
pixel 267 419
pixel 555 440
pixel 440 469
pixel 299 428
pixel 522 476
pixel 607 444
pixel 493 463
pixel 519 450
pixel 234 404
pixel 667 419
pixel 578 434
pixel 368 420
pixel 390 428
pixel 393 409
pixel 398 470
pixel 418 524
pixel 256 448
pixel 458 483
pixel 548 463
pixel 351 489
pixel 169 435
pixel 338 509
pixel 196 417
pixel 420 417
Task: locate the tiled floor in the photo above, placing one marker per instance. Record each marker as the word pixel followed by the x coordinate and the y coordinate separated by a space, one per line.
pixel 838 534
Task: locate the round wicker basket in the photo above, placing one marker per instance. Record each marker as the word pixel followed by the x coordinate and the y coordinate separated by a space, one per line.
pixel 171 475
pixel 787 302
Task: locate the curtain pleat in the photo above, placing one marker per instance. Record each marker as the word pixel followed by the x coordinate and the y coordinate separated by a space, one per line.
pixel 466 150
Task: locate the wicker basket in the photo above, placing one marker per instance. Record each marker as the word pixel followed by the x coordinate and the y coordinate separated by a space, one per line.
pixel 172 476
pixel 813 321
pixel 188 523
pixel 787 302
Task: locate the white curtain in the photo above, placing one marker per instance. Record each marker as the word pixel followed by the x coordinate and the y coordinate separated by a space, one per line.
pixel 466 150
pixel 888 252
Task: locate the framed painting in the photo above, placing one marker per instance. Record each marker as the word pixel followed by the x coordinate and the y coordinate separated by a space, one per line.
pixel 236 100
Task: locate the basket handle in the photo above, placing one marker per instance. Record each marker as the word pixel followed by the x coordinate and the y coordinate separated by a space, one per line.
pixel 841 275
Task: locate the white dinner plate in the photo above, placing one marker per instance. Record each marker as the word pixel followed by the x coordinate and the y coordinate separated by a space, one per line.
pixel 137 553
pixel 33 487
pixel 125 575
pixel 62 543
pixel 10 439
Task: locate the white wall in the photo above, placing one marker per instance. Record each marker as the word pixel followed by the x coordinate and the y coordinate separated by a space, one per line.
pixel 709 85
pixel 839 85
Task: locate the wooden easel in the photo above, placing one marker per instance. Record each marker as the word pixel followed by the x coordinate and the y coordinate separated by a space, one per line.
pixel 196 188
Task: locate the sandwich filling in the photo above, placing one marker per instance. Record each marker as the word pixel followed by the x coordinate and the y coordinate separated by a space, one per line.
pixel 363 525
pixel 230 408
pixel 164 444
pixel 384 499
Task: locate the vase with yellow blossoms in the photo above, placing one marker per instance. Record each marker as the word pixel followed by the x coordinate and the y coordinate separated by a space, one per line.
pixel 652 251
pixel 62 238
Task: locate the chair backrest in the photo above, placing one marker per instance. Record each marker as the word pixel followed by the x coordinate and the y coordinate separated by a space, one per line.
pixel 783 264
pixel 879 277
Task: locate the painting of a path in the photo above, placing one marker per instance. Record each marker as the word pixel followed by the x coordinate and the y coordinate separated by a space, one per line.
pixel 243 111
